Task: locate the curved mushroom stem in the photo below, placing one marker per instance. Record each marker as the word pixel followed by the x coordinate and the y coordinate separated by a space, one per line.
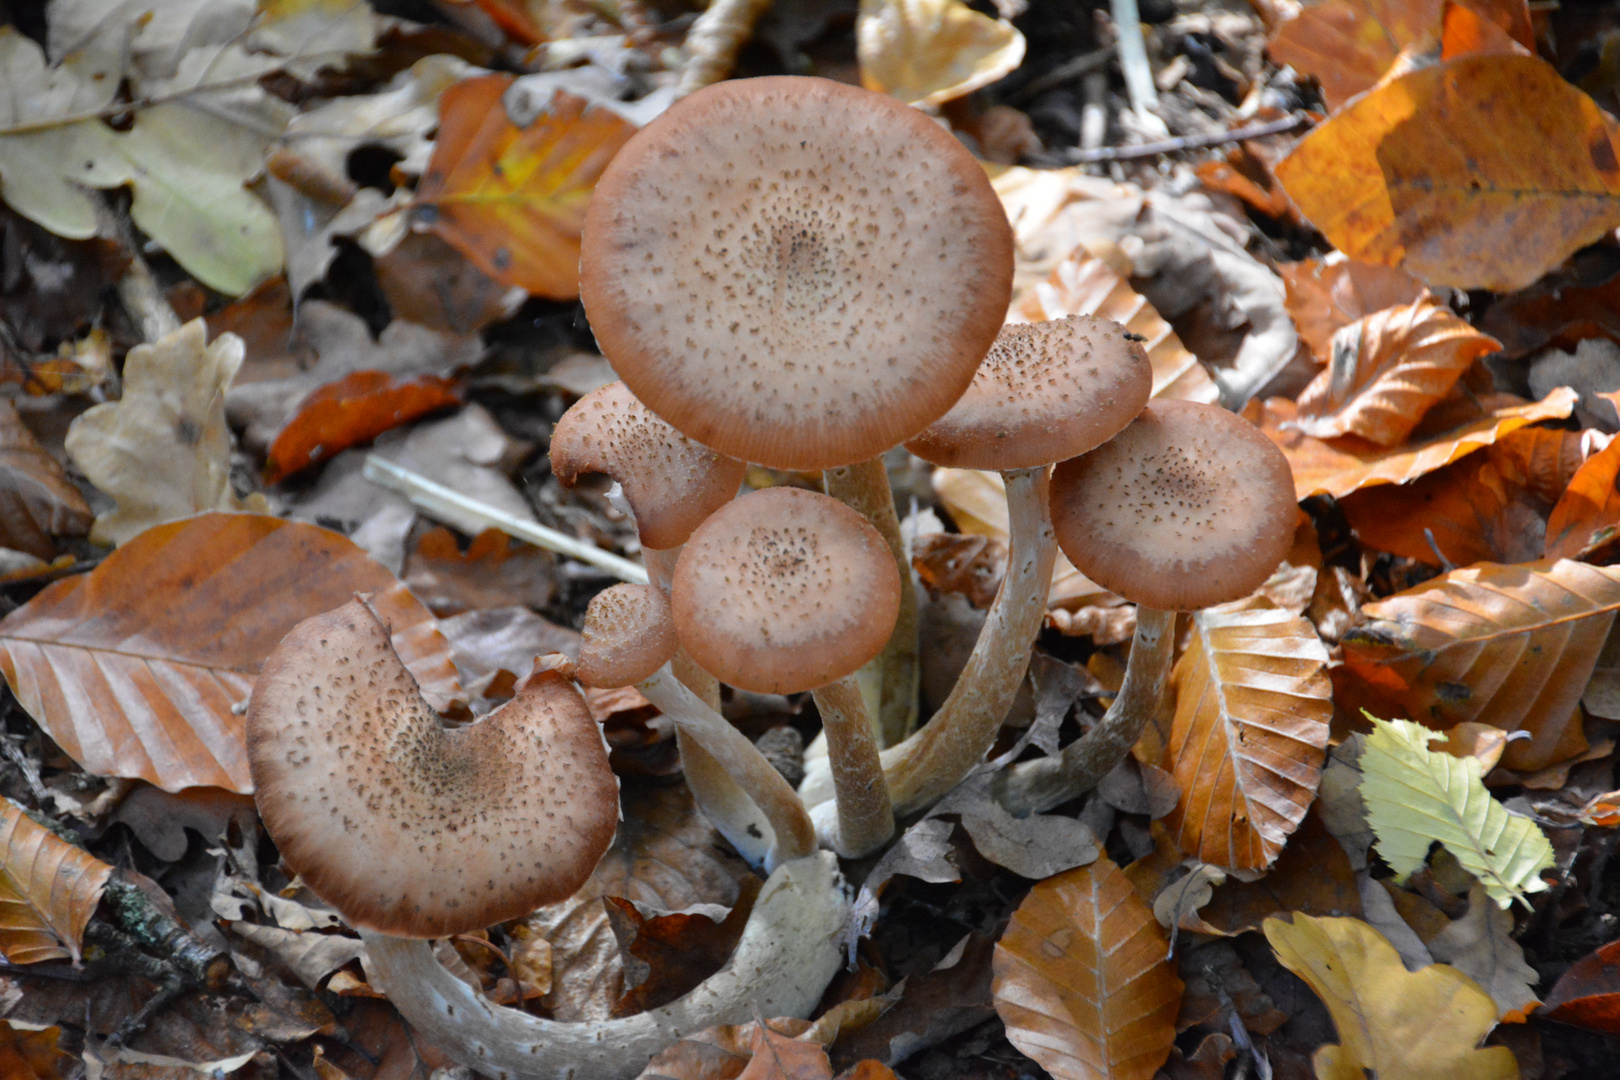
pixel 864 486
pixel 1032 787
pixel 934 760
pixel 761 815
pixel 781 966
pixel 864 820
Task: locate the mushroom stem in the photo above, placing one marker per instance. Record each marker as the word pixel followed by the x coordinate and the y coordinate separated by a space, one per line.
pixel 768 827
pixel 864 487
pixel 1032 787
pixel 786 956
pixel 864 820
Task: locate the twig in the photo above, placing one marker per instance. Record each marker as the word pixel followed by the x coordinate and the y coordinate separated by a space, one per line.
pixel 1133 59
pixel 1186 142
pixel 437 501
pixel 1067 71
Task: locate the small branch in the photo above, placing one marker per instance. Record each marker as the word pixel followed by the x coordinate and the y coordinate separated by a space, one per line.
pixel 1186 142
pixel 1133 60
pixel 1067 71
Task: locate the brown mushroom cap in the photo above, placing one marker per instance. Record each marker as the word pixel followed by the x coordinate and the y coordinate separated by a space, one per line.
pixel 794 271
pixel 629 634
pixel 1047 391
pixel 1188 506
pixel 785 590
pixel 671 482
pixel 408 828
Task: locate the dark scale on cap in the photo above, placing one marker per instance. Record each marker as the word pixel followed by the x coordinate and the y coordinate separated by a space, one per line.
pixel 411 811
pixel 785 590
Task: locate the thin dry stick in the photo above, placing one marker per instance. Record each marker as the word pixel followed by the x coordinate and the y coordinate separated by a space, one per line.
pixel 1187 142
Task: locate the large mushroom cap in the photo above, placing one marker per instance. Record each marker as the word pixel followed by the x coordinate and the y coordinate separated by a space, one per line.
pixel 408 828
pixel 794 271
pixel 1047 391
pixel 671 482
pixel 629 634
pixel 1188 506
pixel 785 590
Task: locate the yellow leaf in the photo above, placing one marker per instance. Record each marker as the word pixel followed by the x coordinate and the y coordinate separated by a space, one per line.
pixel 48 889
pixel 928 52
pixel 1393 1024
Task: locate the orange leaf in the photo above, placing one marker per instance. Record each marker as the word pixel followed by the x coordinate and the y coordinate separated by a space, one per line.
pixel 48 890
pixel 37 500
pixel 1350 464
pixel 1588 994
pixel 1509 646
pixel 1387 369
pixel 1324 296
pixel 1417 174
pixel 1589 512
pixel 355 409
pixel 1465 30
pixel 1081 978
pixel 495 571
pixel 134 667
pixel 779 1057
pixel 1543 460
pixel 1349 44
pixel 513 199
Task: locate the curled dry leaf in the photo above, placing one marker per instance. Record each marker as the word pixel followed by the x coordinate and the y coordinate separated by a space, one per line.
pixel 513 199
pixel 1588 514
pixel 1393 1024
pixel 1509 646
pixel 353 410
pixel 1411 175
pixel 1325 295
pixel 928 52
pixel 1349 44
pixel 37 500
pixel 1387 369
pixel 1253 703
pixel 48 890
pixel 1081 978
pixel 134 668
pixel 1588 994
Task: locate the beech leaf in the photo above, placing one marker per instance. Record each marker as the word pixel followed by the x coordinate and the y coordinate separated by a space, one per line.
pixel 48 890
pixel 928 52
pixel 1081 978
pixel 1416 796
pixel 1588 513
pixel 1393 1024
pixel 37 500
pixel 1349 44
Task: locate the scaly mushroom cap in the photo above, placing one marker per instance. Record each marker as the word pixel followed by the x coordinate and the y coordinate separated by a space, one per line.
pixel 671 482
pixel 1188 506
pixel 794 271
pixel 1047 391
pixel 408 828
pixel 784 590
pixel 629 634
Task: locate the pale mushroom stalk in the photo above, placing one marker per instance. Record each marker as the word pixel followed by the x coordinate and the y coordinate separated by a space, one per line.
pixel 864 818
pixel 1033 787
pixel 864 487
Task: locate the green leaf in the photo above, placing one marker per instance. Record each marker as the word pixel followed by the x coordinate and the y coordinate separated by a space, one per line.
pixel 1416 796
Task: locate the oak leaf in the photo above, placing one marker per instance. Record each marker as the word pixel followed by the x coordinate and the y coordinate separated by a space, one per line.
pixel 1393 1024
pixel 1481 946
pixel 134 669
pixel 928 52
pixel 48 890
pixel 1253 703
pixel 37 500
pixel 1588 514
pixel 1415 174
pixel 1081 978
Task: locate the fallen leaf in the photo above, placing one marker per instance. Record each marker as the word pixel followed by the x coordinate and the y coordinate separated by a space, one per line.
pixel 513 199
pixel 1393 1023
pixel 722 1052
pixel 928 52
pixel 1253 703
pixel 950 998
pixel 778 1057
pixel 33 1055
pixel 667 955
pixel 163 451
pixel 1312 875
pixel 37 500
pixel 1588 994
pixel 1415 175
pixel 1588 514
pixel 162 820
pixel 309 955
pixel 1082 981
pixel 1481 946
pixel 353 410
pixel 441 288
pixel 964 563
pixel 495 571
pixel 1349 44
pixel 1543 460
pixel 134 668
pixel 1386 369
pixel 48 890
pixel 1416 796
pixel 1465 31
pixel 1327 294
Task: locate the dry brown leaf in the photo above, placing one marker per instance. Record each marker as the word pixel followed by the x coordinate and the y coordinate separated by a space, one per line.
pixel 1312 875
pixel 310 955
pixel 1253 703
pixel 1325 295
pixel 1588 514
pixel 1481 946
pixel 1387 369
pixel 667 955
pixel 37 500
pixel 1349 44
pixel 33 1055
pixel 163 451
pixel 719 1053
pixel 928 52
pixel 1509 646
pixel 1416 173
pixel 495 571
pixel 1393 1024
pixel 48 890
pixel 134 668
pixel 1349 464
pixel 1081 978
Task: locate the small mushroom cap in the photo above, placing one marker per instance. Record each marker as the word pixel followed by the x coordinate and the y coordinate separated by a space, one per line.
pixel 405 827
pixel 1188 506
pixel 1047 391
pixel 671 482
pixel 784 590
pixel 795 271
pixel 629 634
